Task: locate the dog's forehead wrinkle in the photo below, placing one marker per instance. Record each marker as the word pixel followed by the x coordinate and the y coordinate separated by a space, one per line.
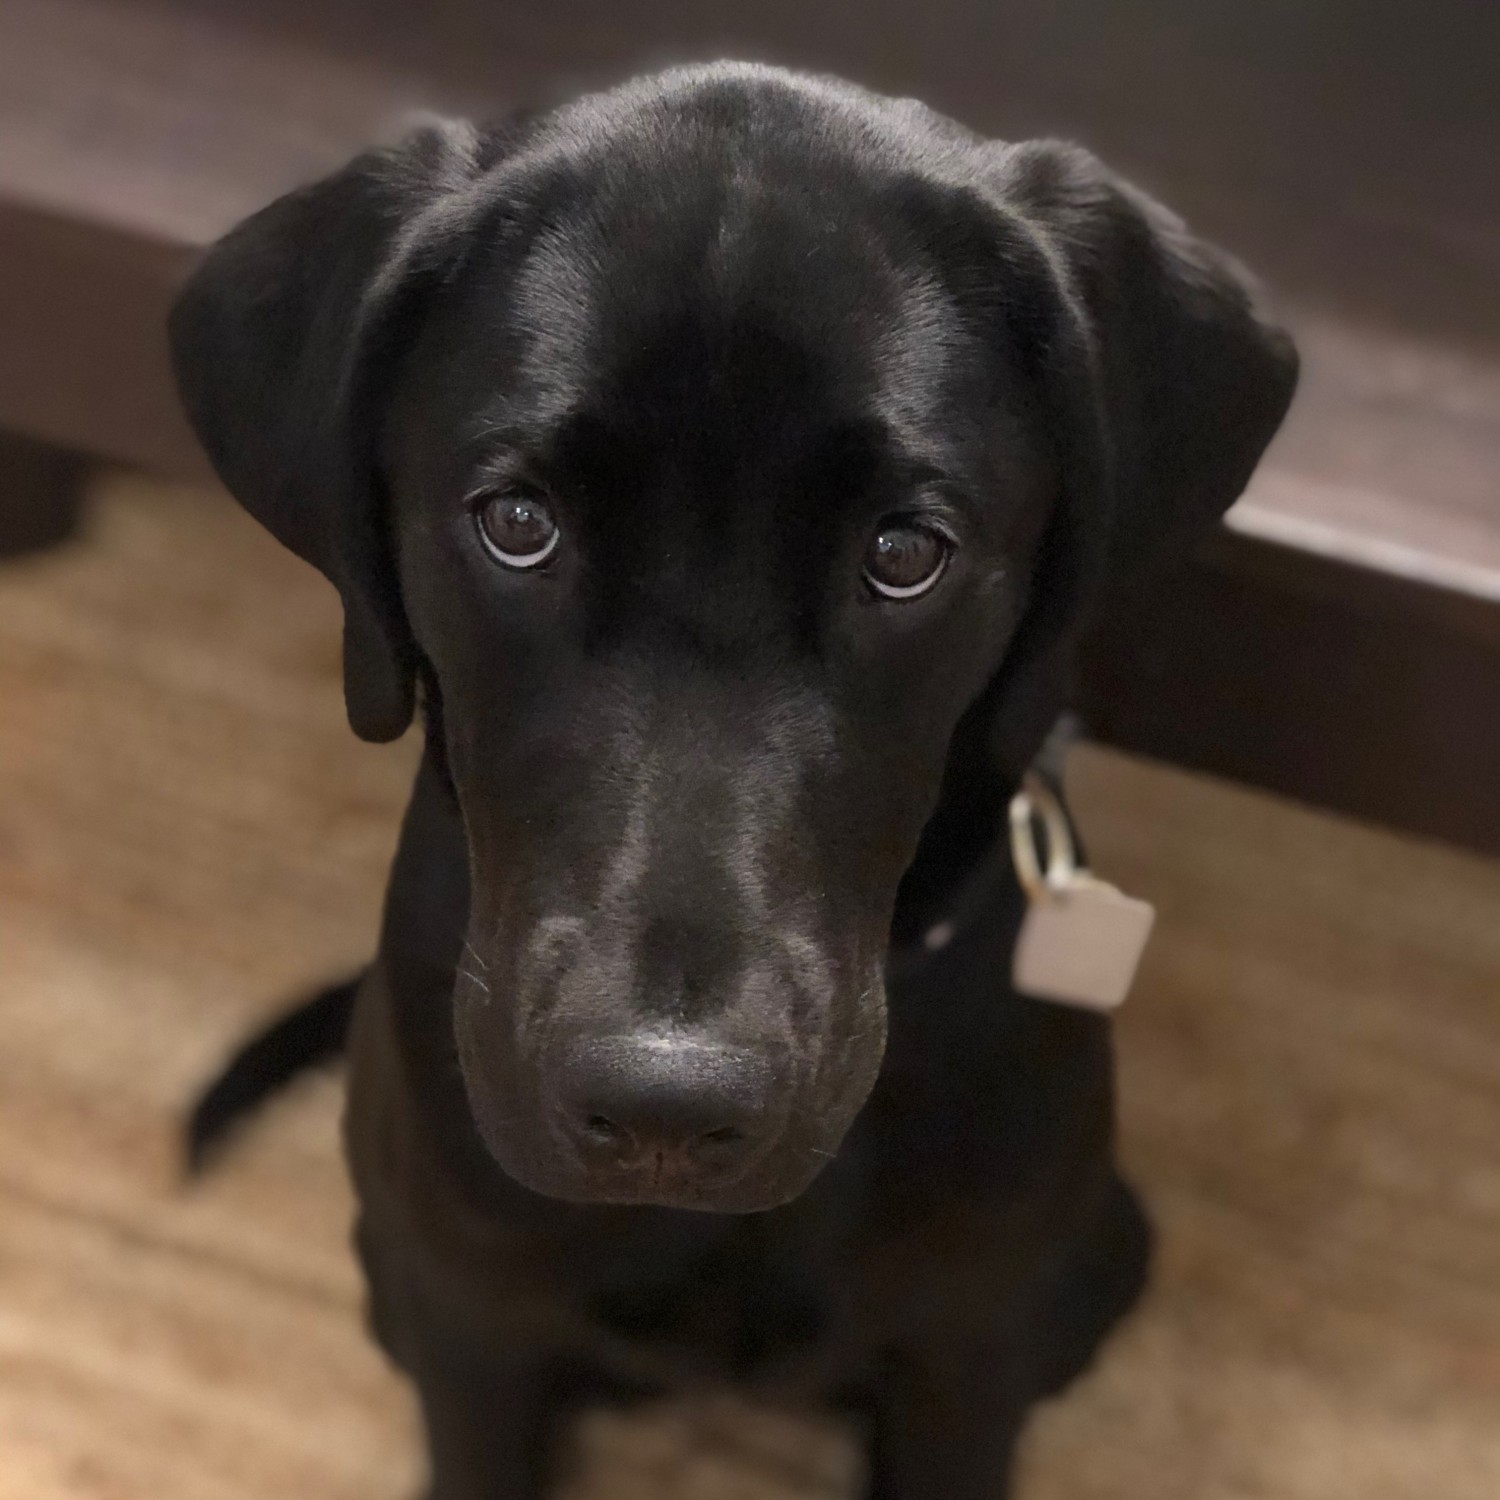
pixel 670 212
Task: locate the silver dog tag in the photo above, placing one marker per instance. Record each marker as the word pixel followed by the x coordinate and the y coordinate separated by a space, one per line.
pixel 1081 940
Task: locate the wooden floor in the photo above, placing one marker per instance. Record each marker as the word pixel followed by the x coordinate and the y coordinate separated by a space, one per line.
pixel 1311 1078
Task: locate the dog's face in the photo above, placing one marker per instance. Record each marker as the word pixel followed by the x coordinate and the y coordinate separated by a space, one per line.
pixel 720 438
pixel 714 510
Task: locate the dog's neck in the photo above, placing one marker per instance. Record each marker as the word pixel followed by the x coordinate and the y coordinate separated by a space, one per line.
pixel 993 747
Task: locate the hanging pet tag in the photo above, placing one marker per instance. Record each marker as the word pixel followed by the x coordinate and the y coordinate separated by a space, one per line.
pixel 1081 939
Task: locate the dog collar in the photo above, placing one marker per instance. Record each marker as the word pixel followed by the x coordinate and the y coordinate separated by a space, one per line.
pixel 1080 939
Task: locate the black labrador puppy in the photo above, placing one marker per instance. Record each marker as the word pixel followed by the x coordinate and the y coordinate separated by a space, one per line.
pixel 724 463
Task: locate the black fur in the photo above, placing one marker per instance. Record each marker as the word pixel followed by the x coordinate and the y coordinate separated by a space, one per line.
pixel 651 1078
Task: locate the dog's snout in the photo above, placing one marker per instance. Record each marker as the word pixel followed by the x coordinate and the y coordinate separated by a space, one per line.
pixel 658 1108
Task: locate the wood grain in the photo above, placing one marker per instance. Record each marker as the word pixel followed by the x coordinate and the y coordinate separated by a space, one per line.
pixel 187 830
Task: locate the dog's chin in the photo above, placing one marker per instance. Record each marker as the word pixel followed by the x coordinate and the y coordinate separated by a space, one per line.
pixel 766 1185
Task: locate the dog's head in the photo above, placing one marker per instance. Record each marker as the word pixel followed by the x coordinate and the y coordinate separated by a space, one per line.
pixel 710 451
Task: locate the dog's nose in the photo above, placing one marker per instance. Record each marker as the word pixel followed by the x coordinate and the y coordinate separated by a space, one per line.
pixel 663 1107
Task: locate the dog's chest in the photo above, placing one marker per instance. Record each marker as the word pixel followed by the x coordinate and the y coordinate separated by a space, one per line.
pixel 734 1313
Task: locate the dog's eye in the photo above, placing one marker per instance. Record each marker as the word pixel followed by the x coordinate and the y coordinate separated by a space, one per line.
pixel 517 527
pixel 905 558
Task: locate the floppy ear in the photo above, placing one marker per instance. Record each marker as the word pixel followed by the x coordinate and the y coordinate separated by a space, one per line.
pixel 1161 380
pixel 279 341
pixel 1168 379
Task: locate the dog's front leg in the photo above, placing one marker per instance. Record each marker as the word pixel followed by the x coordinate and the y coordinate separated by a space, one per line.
pixel 490 1418
pixel 490 1403
pixel 946 1422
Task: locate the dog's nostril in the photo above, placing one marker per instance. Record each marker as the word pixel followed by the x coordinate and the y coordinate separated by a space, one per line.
pixel 604 1131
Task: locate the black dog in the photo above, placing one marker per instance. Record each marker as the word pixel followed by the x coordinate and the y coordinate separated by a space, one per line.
pixel 726 461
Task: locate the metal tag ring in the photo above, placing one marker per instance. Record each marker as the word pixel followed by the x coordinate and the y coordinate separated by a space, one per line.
pixel 1039 877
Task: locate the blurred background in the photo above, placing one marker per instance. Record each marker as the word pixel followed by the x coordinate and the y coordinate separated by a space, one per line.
pixel 1295 751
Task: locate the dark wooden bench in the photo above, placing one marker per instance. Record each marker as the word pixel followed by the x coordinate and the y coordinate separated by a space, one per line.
pixel 1340 641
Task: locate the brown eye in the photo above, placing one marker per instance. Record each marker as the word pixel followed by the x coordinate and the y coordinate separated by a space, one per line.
pixel 905 558
pixel 517 528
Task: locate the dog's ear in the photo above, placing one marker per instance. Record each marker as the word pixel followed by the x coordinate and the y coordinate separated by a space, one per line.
pixel 1168 379
pixel 280 340
pixel 1161 381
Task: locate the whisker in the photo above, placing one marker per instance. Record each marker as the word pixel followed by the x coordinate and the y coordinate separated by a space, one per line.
pixel 473 979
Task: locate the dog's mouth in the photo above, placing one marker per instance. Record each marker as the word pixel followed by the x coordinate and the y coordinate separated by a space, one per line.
pixel 659 1180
